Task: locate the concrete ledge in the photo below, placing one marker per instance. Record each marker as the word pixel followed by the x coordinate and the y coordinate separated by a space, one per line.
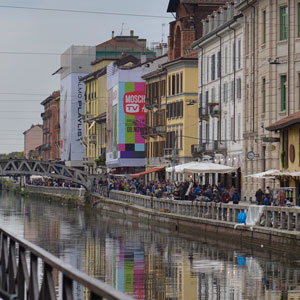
pixel 261 236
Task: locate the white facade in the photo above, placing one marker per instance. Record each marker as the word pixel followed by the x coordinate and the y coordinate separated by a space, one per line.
pixel 75 63
pixel 220 57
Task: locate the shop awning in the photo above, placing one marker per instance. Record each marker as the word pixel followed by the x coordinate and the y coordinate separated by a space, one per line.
pixel 137 175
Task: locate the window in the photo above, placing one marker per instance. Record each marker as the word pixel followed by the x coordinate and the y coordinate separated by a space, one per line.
pixel 226 60
pixel 177 83
pixel 264 94
pixel 173 84
pixel 169 87
pixel 233 56
pixel 213 67
pixel 207 69
pixel 181 82
pixel 283 23
pixel 232 137
pixel 213 95
pixel 247 38
pixel 219 65
pixel 239 54
pixel 283 92
pixel 239 88
pixel 232 90
pixel 264 27
pixel 239 127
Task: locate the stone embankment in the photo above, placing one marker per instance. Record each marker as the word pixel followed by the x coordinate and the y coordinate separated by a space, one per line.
pixel 277 227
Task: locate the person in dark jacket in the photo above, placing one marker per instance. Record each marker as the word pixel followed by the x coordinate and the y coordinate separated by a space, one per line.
pixel 236 197
pixel 267 200
pixel 259 196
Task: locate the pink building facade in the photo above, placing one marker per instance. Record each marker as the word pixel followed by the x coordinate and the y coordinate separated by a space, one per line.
pixel 33 137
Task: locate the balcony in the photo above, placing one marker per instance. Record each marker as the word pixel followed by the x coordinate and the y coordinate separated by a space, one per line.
pixel 161 130
pixel 93 138
pixel 215 147
pixel 212 110
pixel 197 150
pixel 168 152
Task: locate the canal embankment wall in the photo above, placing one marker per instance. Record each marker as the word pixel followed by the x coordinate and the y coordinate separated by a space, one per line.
pixel 68 196
pixel 278 228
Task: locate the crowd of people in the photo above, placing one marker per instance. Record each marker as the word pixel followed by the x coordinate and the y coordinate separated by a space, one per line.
pixel 185 190
pixel 274 197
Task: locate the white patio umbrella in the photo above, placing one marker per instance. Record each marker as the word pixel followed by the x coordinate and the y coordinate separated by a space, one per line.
pixel 266 174
pixel 180 168
pixel 201 167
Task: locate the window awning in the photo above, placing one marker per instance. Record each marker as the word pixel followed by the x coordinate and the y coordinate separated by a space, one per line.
pixel 137 175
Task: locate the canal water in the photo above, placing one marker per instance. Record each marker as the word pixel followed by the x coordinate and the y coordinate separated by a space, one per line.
pixel 151 262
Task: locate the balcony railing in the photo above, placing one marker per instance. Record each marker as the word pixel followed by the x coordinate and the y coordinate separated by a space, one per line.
pixel 197 149
pixel 212 110
pixel 93 138
pixel 209 148
pixel 168 152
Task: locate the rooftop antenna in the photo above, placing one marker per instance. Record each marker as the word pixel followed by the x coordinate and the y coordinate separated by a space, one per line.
pixel 122 28
pixel 163 25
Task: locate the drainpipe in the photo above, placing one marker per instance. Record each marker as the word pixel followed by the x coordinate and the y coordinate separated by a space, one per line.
pixel 220 88
pixel 253 67
pixel 234 78
pixel 201 85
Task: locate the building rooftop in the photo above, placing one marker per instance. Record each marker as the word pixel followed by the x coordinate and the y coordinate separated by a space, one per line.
pixel 173 4
pixel 32 126
pixel 54 95
pixel 285 122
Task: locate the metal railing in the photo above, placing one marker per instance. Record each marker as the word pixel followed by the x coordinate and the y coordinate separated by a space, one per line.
pixel 277 217
pixel 20 275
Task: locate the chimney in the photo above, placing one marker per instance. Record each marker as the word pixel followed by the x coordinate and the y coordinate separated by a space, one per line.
pixel 112 34
pixel 131 33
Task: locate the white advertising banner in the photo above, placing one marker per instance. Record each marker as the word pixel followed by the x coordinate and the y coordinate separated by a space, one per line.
pixel 71 121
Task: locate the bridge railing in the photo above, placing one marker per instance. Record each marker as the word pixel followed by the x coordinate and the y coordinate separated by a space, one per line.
pixel 277 217
pixel 21 278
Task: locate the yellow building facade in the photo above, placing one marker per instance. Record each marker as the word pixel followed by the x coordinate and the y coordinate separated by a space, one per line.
pixel 155 127
pixel 95 116
pixel 181 109
pixel 289 153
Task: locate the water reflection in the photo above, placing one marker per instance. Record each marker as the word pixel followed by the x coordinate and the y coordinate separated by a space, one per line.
pixel 150 262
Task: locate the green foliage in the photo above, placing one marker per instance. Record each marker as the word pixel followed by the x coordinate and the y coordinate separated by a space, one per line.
pixel 101 160
pixel 18 155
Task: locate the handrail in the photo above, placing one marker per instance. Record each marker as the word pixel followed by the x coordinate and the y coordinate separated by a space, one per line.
pixel 273 217
pixel 22 281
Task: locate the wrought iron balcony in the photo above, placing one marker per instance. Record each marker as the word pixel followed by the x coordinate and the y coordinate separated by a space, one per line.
pixel 215 147
pixel 197 149
pixel 93 138
pixel 212 110
pixel 168 152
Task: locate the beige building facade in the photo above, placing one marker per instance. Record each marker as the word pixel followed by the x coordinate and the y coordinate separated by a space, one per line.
pixel 271 81
pixel 33 138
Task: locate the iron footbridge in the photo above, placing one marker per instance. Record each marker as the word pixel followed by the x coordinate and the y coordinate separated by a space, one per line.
pixel 22 167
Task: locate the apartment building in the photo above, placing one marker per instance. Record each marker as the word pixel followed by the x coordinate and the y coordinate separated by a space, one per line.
pixel 95 139
pixel 155 125
pixel 33 138
pixel 51 127
pixel 125 151
pixel 220 58
pixel 271 81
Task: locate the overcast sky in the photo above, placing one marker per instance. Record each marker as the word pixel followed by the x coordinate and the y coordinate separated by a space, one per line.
pixel 33 31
